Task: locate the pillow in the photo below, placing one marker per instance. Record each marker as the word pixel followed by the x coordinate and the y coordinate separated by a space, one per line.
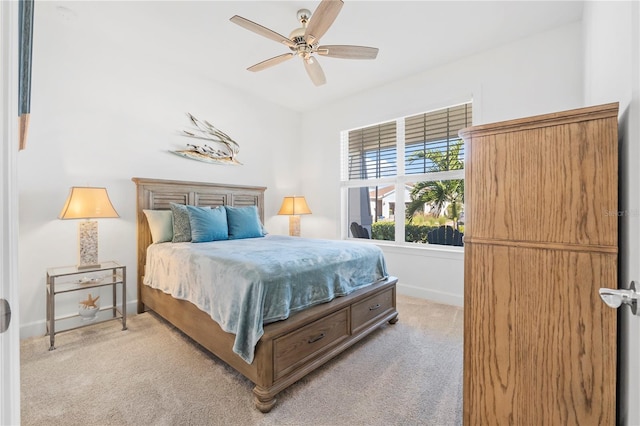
pixel 181 226
pixel 161 225
pixel 207 224
pixel 243 222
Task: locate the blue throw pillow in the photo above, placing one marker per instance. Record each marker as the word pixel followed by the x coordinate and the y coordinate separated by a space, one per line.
pixel 243 222
pixel 181 226
pixel 207 224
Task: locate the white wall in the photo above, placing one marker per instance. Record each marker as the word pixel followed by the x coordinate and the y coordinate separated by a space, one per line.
pixel 103 112
pixel 536 75
pixel 612 74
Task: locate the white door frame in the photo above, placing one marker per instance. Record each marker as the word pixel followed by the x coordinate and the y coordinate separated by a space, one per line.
pixel 9 340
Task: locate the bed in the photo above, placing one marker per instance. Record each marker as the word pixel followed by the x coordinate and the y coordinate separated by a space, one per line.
pixel 287 349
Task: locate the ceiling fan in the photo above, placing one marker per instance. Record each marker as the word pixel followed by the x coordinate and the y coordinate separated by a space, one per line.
pixel 304 41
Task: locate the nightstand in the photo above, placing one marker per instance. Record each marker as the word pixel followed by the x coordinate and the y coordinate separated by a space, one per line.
pixel 81 283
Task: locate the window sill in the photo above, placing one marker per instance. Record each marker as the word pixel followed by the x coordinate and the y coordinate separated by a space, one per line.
pixel 427 250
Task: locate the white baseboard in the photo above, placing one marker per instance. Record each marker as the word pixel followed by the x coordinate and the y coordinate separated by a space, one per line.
pixel 32 329
pixel 429 294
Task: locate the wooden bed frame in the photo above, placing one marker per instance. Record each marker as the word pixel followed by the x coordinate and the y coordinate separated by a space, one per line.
pixel 289 349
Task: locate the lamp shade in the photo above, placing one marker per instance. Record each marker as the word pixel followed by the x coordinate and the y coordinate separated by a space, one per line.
pixel 88 203
pixel 294 206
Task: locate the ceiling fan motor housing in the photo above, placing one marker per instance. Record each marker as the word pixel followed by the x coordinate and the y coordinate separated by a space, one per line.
pixel 301 48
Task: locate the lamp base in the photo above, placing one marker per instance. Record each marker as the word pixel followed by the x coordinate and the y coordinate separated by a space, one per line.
pixel 294 225
pixel 95 266
pixel 88 242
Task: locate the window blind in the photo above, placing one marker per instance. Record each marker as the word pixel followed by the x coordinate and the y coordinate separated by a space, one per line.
pixel 436 133
pixel 372 151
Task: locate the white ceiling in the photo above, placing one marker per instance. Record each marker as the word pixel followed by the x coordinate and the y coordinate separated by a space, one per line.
pixel 412 36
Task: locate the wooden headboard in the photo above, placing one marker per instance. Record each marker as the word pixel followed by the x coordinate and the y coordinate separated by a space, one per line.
pixel 157 194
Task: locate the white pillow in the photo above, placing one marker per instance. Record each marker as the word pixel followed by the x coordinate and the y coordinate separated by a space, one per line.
pixel 161 225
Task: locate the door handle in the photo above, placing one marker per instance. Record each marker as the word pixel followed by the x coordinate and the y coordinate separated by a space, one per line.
pixel 5 315
pixel 616 298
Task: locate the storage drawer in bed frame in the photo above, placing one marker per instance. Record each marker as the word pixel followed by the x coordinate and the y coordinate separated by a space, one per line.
pixel 294 347
pixel 370 309
pixel 297 347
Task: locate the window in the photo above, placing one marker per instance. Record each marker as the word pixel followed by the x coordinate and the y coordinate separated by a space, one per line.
pixel 405 178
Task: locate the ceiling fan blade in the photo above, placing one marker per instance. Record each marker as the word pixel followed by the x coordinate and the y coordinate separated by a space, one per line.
pixel 263 31
pixel 321 19
pixel 348 52
pixel 270 62
pixel 314 70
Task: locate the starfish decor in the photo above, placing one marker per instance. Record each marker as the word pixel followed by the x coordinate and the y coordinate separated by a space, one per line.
pixel 90 302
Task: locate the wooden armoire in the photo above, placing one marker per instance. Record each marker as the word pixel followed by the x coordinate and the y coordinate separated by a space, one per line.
pixel 541 237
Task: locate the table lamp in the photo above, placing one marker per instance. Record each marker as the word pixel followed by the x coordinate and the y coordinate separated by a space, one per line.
pixel 88 203
pixel 294 207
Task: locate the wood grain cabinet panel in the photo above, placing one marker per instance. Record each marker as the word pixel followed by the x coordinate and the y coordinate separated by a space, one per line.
pixel 540 240
pixel 557 177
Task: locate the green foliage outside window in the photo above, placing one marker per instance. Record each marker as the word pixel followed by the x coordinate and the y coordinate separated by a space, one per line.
pixel 413 233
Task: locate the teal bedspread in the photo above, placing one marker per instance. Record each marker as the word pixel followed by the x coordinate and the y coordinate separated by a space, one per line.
pixel 244 284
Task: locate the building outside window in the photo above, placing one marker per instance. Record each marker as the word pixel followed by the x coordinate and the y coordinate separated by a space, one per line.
pixel 404 178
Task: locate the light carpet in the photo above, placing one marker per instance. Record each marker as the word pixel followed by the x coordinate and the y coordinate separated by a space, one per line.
pixel 409 373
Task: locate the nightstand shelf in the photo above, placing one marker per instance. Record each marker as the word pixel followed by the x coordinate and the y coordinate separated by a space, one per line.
pixel 70 279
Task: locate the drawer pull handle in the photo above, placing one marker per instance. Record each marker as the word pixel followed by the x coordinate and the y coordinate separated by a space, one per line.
pixel 374 307
pixel 315 339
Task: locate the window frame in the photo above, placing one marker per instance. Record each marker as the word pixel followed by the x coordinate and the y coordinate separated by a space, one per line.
pixel 399 181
